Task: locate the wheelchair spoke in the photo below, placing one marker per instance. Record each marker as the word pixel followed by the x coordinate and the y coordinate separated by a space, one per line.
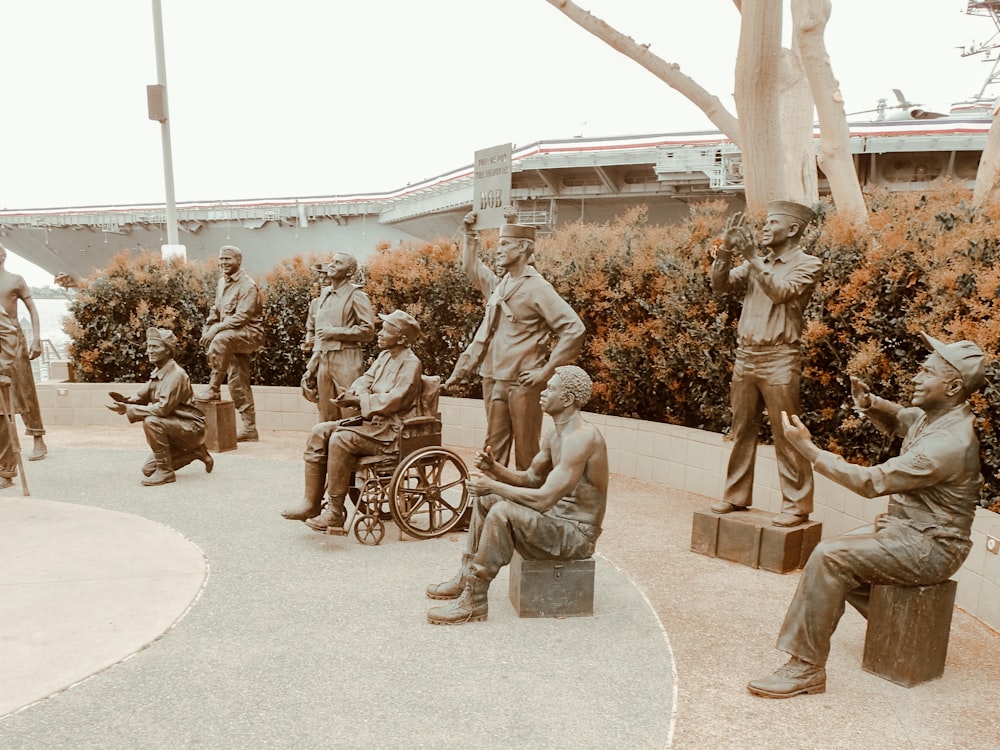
pixel 428 494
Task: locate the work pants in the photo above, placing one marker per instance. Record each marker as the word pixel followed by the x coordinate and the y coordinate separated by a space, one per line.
pixel 499 527
pixel 229 355
pixel 767 378
pixel 339 450
pixel 180 438
pixel 513 414
pixel 336 372
pixel 844 568
pixel 24 392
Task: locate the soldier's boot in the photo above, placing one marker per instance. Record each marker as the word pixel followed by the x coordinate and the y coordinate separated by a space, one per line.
pixel 248 433
pixel 164 472
pixel 471 606
pixel 312 497
pixel 202 454
pixel 331 520
pixel 213 392
pixel 150 466
pixel 451 589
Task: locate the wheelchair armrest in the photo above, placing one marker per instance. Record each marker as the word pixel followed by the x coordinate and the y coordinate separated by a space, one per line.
pixel 419 421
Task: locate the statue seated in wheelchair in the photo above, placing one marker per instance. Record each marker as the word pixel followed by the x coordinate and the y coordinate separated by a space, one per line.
pixel 389 460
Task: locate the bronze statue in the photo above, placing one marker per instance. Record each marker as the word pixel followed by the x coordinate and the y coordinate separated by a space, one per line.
pixel 768 368
pixel 323 280
pixel 933 488
pixel 11 341
pixel 343 321
pixel 551 511
pixel 13 288
pixel 384 395
pixel 233 331
pixel 511 347
pixel 174 427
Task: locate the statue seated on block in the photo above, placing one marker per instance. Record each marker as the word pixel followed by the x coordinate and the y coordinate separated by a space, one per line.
pixel 553 510
pixel 384 394
pixel 933 487
pixel 174 426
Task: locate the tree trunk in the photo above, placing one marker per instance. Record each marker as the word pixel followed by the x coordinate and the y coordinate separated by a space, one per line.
pixel 669 73
pixel 809 18
pixel 757 103
pixel 801 180
pixel 989 164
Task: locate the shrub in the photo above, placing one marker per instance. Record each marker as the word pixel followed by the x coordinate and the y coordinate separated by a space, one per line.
pixel 113 308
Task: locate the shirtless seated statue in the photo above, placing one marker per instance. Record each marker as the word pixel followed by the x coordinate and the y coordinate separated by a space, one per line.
pixel 551 511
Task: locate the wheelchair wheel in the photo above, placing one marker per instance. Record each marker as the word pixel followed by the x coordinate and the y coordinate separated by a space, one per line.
pixel 428 492
pixel 369 529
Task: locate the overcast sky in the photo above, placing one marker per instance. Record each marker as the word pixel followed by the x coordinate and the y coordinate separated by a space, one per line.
pixel 321 97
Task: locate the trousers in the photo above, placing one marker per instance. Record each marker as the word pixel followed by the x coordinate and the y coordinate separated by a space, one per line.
pixel 338 450
pixel 513 415
pixel 499 527
pixel 843 569
pixel 229 354
pixel 766 379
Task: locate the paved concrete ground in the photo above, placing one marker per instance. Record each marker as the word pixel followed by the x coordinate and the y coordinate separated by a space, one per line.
pixel 295 639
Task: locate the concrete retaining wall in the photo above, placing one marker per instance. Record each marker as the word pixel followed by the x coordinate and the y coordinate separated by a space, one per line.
pixel 678 457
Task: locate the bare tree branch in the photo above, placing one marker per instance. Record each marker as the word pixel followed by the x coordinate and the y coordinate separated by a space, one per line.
pixel 809 19
pixel 669 73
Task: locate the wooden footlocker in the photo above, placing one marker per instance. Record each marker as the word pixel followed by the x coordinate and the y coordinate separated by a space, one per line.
pixel 552 588
pixel 908 629
pixel 220 425
pixel 747 537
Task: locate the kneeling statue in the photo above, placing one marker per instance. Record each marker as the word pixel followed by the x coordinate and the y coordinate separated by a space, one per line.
pixel 174 426
pixel 551 511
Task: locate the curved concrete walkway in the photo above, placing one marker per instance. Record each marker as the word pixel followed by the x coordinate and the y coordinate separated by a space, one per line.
pixel 301 640
pixel 298 639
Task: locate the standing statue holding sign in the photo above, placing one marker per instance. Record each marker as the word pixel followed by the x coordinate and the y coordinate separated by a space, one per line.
pixel 933 487
pixel 511 347
pixel 768 368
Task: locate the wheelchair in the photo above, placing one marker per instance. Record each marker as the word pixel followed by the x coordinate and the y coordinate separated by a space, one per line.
pixel 420 484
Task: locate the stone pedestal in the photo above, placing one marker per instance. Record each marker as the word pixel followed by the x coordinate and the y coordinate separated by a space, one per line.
pixel 220 425
pixel 747 537
pixel 552 588
pixel 908 629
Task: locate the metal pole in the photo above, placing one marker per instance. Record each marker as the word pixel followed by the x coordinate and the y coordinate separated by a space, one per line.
pixel 168 163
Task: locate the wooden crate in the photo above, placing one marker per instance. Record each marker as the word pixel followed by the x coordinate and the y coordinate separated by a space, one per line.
pixel 220 424
pixel 908 629
pixel 552 588
pixel 747 537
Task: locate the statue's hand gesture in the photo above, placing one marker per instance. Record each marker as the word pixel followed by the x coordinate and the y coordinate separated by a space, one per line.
pixel 485 460
pixel 736 236
pixel 861 394
pixel 469 220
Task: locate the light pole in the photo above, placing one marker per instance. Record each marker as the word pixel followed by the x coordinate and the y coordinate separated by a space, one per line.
pixel 156 100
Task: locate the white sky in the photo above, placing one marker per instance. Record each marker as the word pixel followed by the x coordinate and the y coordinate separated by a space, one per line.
pixel 319 97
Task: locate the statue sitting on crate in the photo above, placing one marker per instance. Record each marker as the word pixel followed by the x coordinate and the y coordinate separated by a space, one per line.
pixel 385 394
pixel 551 511
pixel 174 426
pixel 933 487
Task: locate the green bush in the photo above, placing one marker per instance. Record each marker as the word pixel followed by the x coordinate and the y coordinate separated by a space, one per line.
pixel 112 309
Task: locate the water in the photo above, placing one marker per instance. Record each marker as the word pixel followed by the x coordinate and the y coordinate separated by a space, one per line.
pixel 50 319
